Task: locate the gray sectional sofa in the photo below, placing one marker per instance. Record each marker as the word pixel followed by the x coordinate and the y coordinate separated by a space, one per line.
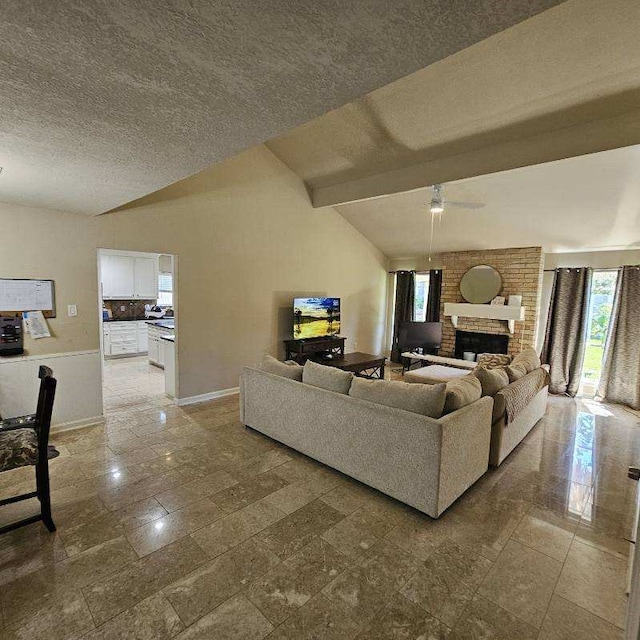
pixel 520 399
pixel 507 434
pixel 424 462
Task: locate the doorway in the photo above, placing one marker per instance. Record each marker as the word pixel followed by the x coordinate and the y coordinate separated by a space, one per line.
pixel 603 288
pixel 137 327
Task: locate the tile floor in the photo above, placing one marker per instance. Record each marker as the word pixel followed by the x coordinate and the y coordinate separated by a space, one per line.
pixel 180 523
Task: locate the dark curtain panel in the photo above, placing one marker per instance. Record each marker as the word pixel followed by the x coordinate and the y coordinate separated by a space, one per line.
pixel 566 335
pixel 620 380
pixel 405 292
pixel 433 300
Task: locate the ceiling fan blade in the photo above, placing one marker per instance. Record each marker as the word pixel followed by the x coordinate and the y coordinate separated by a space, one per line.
pixel 464 205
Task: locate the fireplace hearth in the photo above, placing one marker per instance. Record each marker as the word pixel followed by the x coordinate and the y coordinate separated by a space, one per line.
pixel 480 343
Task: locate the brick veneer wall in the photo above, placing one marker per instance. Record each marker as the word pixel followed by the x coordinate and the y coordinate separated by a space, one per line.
pixel 521 271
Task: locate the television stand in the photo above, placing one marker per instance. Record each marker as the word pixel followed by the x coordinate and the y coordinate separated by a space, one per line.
pixel 302 349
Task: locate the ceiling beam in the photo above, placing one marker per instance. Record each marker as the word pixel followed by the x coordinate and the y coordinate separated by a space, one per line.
pixel 607 123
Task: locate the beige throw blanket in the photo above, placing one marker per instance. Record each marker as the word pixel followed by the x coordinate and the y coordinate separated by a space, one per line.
pixel 511 400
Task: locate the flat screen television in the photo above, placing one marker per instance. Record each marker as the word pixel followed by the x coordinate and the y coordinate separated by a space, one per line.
pixel 316 317
pixel 427 335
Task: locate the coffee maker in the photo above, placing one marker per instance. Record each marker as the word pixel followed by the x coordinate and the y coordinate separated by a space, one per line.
pixel 11 338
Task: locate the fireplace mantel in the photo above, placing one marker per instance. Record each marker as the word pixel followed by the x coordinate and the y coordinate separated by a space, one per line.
pixel 511 314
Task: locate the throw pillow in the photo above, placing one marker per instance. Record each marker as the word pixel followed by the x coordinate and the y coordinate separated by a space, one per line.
pixel 461 392
pixel 493 360
pixel 288 369
pixel 492 380
pixel 529 358
pixel 425 399
pixel 330 378
pixel 516 371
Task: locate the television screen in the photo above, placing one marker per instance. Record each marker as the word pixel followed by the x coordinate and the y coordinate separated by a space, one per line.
pixel 316 317
pixel 420 334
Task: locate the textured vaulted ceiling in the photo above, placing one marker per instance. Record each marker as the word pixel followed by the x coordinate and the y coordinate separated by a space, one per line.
pixel 588 203
pixel 104 102
pixel 564 83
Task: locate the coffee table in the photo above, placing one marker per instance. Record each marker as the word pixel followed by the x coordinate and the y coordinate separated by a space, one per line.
pixel 364 365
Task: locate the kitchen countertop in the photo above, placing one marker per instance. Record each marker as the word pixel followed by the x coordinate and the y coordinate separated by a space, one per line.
pixel 169 338
pixel 164 323
pixel 125 320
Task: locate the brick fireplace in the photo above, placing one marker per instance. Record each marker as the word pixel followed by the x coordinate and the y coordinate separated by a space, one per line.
pixel 476 342
pixel 521 270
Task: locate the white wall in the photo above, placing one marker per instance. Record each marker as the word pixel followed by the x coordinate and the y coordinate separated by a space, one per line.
pixel 78 399
pixel 594 259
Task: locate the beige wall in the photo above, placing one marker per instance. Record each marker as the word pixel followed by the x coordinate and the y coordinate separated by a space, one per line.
pixel 595 259
pixel 247 241
pixel 41 243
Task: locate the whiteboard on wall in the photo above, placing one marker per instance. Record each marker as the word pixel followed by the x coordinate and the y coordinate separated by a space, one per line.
pixel 27 295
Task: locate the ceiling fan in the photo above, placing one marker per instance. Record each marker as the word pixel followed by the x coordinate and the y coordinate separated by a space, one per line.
pixel 438 201
pixel 437 206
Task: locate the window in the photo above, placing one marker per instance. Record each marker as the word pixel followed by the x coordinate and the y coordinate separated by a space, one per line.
pixel 603 287
pixel 165 289
pixel 421 296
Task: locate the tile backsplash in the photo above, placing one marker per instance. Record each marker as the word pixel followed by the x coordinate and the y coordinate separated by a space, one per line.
pixel 133 309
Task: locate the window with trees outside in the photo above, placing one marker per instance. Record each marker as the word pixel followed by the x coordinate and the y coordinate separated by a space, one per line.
pixel 603 287
pixel 421 296
pixel 165 289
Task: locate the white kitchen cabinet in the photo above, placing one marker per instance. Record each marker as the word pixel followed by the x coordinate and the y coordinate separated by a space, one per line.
pixel 154 348
pixel 156 345
pixel 129 277
pixel 127 338
pixel 143 337
pixel 161 352
pixel 146 278
pixel 117 277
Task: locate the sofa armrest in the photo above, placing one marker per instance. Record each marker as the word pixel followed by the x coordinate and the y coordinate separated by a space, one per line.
pixel 466 439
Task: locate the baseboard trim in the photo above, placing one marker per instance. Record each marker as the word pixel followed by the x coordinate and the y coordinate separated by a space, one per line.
pixel 78 424
pixel 207 396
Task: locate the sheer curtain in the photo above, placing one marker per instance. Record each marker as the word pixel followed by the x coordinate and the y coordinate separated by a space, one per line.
pixel 620 379
pixel 566 335
pixel 403 311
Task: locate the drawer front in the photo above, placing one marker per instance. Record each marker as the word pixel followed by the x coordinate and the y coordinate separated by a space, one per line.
pixel 124 347
pixel 128 336
pixel 119 325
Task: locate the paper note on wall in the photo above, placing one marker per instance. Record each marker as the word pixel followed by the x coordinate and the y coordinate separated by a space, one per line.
pixel 36 324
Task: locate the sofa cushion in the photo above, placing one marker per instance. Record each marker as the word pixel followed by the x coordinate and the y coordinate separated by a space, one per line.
pixel 330 378
pixel 288 369
pixel 528 358
pixel 425 399
pixel 516 371
pixel 493 360
pixel 492 380
pixel 461 392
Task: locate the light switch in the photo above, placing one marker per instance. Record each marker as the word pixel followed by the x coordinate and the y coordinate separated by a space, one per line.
pixel 72 310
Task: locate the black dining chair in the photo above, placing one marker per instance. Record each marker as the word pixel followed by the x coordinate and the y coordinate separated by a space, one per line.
pixel 24 442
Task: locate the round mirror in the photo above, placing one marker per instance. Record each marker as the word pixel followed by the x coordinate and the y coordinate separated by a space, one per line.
pixel 480 284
